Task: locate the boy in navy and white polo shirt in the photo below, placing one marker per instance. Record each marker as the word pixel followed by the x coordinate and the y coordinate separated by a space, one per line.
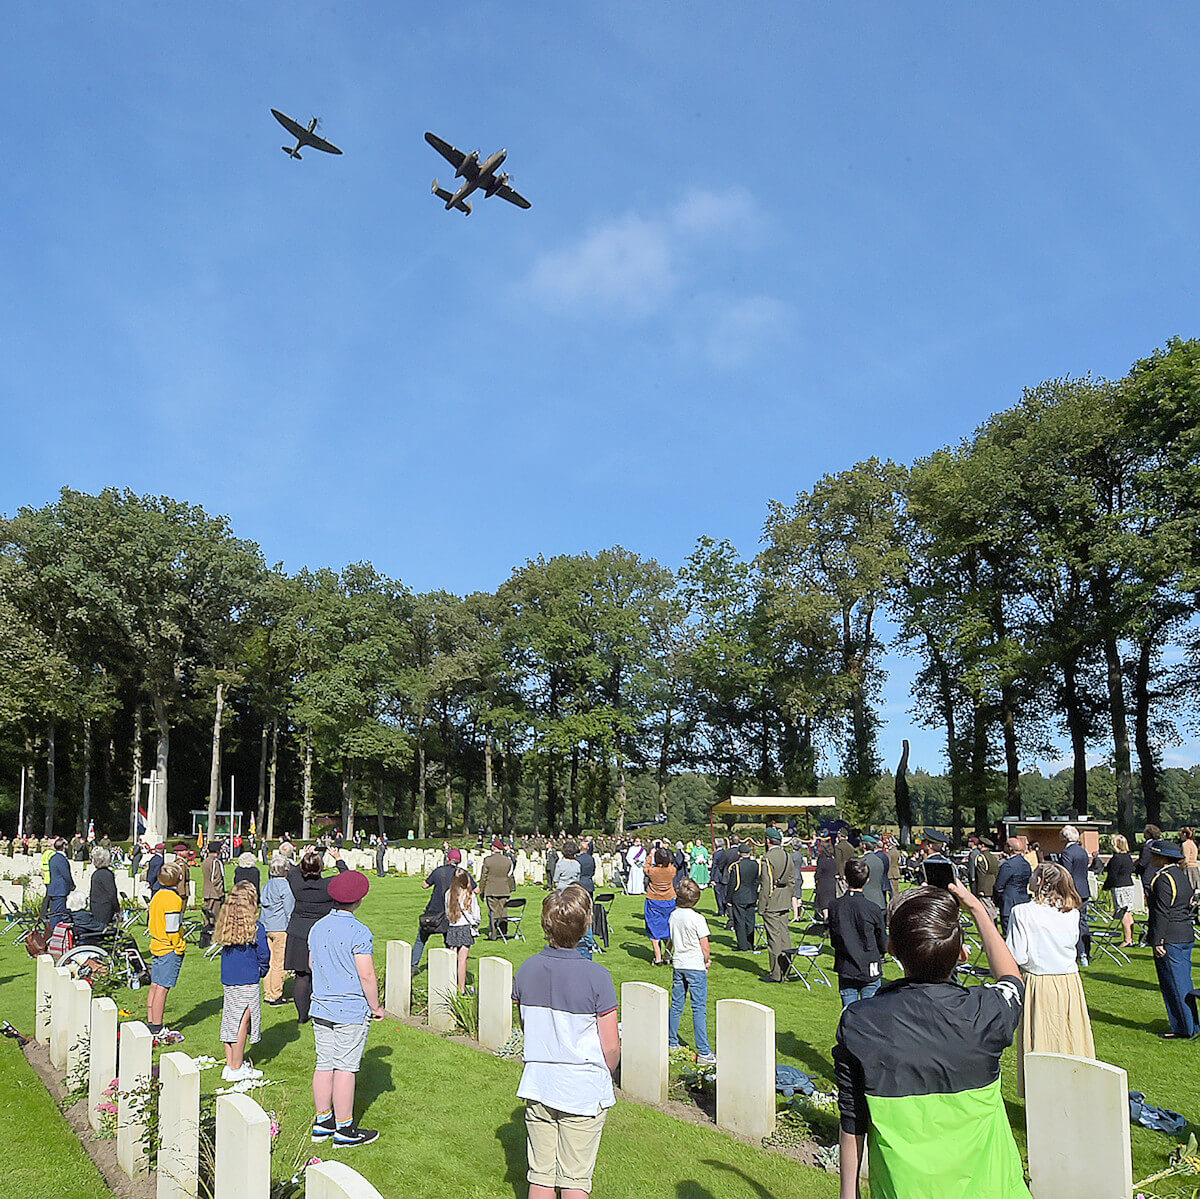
pixel 344 1002
pixel 572 1046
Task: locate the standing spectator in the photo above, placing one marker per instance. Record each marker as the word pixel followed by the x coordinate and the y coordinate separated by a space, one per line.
pixel 566 869
pixel 776 881
pixel 245 958
pixel 858 937
pixel 551 862
pixel 699 865
pixel 824 879
pixel 1191 863
pixel 381 857
pixel 1012 881
pixel 496 885
pixel 59 880
pixel 587 866
pixel 278 903
pixel 660 900
pixel 1170 933
pixel 432 921
pixel 723 858
pixel 104 901
pixel 135 859
pixel 345 999
pixel 212 895
pixel 929 1051
pixel 1077 860
pixel 1118 878
pixel 153 866
pixel 743 895
pixel 843 851
pixel 313 903
pixel 1145 861
pixel 987 866
pixel 680 863
pixel 462 918
pixel 798 875
pixel 246 871
pixel 877 879
pixel 635 857
pixel 1042 936
pixel 167 948
pixel 691 960
pixel 572 1045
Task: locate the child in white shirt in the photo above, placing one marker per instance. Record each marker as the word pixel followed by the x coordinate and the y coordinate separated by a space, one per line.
pixel 689 947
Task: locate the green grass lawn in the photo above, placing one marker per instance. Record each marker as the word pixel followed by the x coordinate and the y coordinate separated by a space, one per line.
pixel 452 1124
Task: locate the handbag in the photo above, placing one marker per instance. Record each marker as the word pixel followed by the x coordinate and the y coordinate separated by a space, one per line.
pixel 431 924
pixel 37 941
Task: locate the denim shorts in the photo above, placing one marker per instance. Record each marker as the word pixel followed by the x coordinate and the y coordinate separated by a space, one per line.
pixel 164 970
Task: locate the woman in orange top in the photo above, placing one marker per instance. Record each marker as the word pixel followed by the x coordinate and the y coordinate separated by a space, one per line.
pixel 660 900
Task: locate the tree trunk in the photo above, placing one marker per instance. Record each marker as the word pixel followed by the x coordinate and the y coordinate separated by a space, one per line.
pixel 575 789
pixel 347 821
pixel 214 766
pixel 420 782
pixel 307 800
pixel 1122 760
pixel 1077 727
pixel 466 820
pixel 87 775
pixel 50 740
pixel 274 772
pixel 379 807
pixel 1148 766
pixel 904 814
pixel 135 790
pixel 622 797
pixel 664 757
pixel 1012 761
pixel 449 803
pixel 489 804
pixel 979 758
pixel 261 822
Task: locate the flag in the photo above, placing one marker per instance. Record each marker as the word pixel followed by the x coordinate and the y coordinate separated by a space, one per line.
pixel 200 838
pixel 91 830
pixel 141 821
pixel 253 830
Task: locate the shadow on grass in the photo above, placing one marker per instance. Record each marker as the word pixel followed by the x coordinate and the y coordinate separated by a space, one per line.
pixel 741 959
pixel 757 1187
pixel 692 1190
pixel 374 1074
pixel 1101 1017
pixel 810 1057
pixel 199 1013
pixel 1122 980
pixel 275 1038
pixel 512 1140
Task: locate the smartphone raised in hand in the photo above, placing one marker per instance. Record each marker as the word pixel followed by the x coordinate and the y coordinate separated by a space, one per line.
pixel 938 872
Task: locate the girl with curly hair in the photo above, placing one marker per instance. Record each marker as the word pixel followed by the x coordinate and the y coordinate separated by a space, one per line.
pixel 245 958
pixel 462 912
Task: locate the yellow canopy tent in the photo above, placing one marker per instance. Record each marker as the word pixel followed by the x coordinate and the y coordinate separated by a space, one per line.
pixel 765 805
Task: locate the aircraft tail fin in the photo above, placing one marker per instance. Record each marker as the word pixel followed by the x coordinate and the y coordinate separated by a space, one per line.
pixel 291 151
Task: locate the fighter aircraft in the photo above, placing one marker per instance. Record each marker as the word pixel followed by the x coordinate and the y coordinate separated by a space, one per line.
pixel 474 174
pixel 304 137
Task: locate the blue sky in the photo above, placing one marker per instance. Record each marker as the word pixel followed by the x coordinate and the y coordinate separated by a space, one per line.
pixel 766 242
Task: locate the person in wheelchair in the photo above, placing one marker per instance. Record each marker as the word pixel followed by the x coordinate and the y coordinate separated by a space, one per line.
pixel 88 930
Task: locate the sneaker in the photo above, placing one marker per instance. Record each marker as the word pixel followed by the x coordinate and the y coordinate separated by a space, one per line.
pixel 1083 961
pixel 241 1074
pixel 706 1059
pixel 350 1138
pixel 323 1130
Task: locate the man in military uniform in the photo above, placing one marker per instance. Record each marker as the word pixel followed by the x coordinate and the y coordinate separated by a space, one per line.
pixel 213 894
pixel 743 895
pixel 496 885
pixel 1170 933
pixel 722 859
pixel 775 880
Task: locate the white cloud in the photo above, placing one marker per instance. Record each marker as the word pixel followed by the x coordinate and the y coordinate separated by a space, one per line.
pixel 742 330
pixel 708 213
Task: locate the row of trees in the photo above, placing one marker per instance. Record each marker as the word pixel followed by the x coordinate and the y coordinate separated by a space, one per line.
pixel 1043 574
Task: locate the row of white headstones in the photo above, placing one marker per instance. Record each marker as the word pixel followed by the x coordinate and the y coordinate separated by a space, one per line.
pixel 1077 1111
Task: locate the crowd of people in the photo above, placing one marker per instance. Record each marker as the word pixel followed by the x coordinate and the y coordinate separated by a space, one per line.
pixel 1029 912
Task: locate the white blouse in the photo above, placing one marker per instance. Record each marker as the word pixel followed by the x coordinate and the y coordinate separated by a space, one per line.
pixel 1043 939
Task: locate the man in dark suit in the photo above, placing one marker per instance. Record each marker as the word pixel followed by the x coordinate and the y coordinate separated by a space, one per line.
pixel 153 867
pixel 496 885
pixel 743 896
pixel 1077 860
pixel 721 861
pixel 61 882
pixel 1012 881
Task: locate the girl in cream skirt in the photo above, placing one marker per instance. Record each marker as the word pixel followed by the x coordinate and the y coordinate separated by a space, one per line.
pixel 1043 935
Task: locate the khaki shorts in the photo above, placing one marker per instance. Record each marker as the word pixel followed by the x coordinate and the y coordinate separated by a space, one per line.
pixel 340 1046
pixel 562 1148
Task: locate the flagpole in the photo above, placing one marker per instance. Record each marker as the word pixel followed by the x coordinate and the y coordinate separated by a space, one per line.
pixel 21 814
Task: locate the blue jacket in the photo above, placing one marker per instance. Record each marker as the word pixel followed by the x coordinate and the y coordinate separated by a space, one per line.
pixel 244 964
pixel 1012 886
pixel 61 883
pixel 1077 860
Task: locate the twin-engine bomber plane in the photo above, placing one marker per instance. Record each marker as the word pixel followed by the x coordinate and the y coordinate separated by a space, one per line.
pixel 303 136
pixel 474 175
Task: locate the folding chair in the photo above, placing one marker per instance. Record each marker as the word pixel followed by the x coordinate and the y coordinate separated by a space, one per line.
pixel 805 953
pixel 512 918
pixel 966 974
pixel 600 906
pixel 1107 936
pixel 759 942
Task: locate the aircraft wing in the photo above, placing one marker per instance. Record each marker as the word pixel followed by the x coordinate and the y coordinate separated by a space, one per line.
pixel 293 127
pixel 507 193
pixel 320 143
pixel 446 150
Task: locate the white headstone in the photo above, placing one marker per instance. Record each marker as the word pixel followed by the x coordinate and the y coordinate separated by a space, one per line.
pixel 133 1069
pixel 1077 1124
pixel 243 1167
pixel 179 1126
pixel 102 1054
pixel 43 997
pixel 745 1068
pixel 495 1001
pixel 79 1026
pixel 60 1016
pixel 336 1180
pixel 443 983
pixel 397 979
pixel 644 1041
